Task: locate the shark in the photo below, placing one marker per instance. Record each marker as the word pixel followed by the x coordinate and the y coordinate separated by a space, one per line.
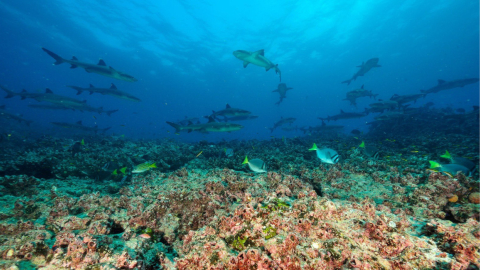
pixel 282 90
pixel 239 118
pixel 211 126
pixel 381 106
pixel 112 91
pixel 229 112
pixel 50 107
pixel 444 85
pixel 358 93
pixel 364 68
pixel 323 128
pixel 257 58
pixel 78 125
pixel 343 115
pixel 7 115
pixel 282 122
pixel 100 68
pixel 406 98
pixel 48 96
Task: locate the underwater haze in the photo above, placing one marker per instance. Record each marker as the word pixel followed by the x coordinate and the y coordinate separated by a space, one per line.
pixel 181 54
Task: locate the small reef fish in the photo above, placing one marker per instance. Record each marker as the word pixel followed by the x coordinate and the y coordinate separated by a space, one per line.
pixel 145 236
pixel 140 168
pixel 460 161
pixel 326 155
pixel 370 151
pixel 449 169
pixel 256 165
pixel 122 170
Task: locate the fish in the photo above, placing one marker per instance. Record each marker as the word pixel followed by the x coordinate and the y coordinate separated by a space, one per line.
pixel 48 96
pixel 78 125
pixel 449 169
pixel 326 155
pixel 295 128
pixel 256 165
pixel 406 98
pixel 228 152
pixel 122 171
pixel 370 151
pixel 282 90
pixel 460 161
pixel 140 168
pixel 389 116
pixel 444 85
pixel 101 68
pixel 364 68
pixel 322 128
pixel 112 91
pixel 358 93
pixel 282 122
pixel 7 115
pixel 211 126
pixel 381 106
pixel 187 120
pixel 229 112
pixel 343 115
pixel 87 108
pixel 50 107
pixel 145 236
pixel 239 118
pixel 257 58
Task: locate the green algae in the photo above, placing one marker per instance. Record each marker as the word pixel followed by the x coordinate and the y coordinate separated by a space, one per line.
pixel 270 231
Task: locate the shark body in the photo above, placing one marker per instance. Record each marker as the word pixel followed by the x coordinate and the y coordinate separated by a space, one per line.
pixel 364 68
pixel 112 91
pixel 7 115
pixel 257 58
pixel 282 90
pixel 343 115
pixel 78 125
pixel 100 68
pixel 211 126
pixel 444 85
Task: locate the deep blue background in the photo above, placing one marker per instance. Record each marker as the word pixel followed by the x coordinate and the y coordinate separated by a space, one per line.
pixel 181 52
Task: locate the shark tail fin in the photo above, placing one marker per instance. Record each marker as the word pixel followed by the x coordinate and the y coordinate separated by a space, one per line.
pixel 177 127
pixel 58 59
pixel 347 81
pixel 10 93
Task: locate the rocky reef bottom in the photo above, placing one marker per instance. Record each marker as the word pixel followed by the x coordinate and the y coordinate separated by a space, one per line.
pixel 212 213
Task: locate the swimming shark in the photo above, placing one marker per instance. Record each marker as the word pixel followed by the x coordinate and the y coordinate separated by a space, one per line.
pixel 444 85
pixel 48 96
pixel 50 107
pixel 401 99
pixel 78 125
pixel 239 118
pixel 364 68
pixel 229 112
pixel 257 58
pixel 343 115
pixel 381 106
pixel 7 115
pixel 100 68
pixel 282 90
pixel 211 126
pixel 282 122
pixel 358 93
pixel 112 91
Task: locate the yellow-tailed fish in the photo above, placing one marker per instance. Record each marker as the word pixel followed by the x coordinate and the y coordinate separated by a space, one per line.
pixel 143 167
pixel 123 170
pixel 199 153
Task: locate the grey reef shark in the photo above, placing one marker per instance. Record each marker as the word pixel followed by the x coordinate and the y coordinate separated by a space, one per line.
pixel 112 91
pixel 100 68
pixel 282 90
pixel 364 68
pixel 257 58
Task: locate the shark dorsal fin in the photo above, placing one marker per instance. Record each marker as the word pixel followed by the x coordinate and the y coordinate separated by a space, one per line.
pixel 74 58
pixel 113 86
pixel 441 82
pixel 211 119
pixel 24 91
pixel 91 86
pixel 101 63
pixel 362 86
pixel 48 91
pixel 79 122
pixel 341 111
pixel 228 106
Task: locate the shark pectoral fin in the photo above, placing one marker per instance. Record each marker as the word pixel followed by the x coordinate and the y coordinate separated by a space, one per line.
pixel 73 66
pixel 88 70
pixel 267 68
pixel 245 64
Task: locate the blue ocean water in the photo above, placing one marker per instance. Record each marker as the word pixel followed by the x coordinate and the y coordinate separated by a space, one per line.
pixel 181 54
